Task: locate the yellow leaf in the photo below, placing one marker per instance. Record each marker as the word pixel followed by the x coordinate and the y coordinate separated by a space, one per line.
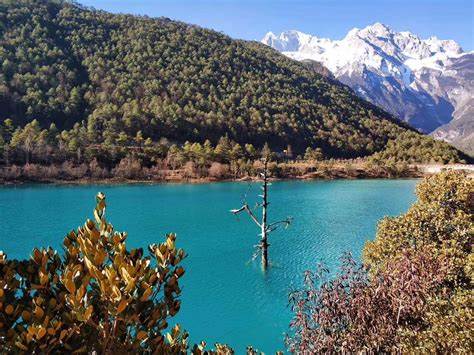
pixel 21 346
pixel 172 281
pixel 179 271
pixel 81 292
pixel 96 216
pixel 88 312
pixel 46 321
pixel 116 295
pixel 146 294
pixel 44 277
pixel 70 286
pixel 163 325
pixel 41 333
pixel 44 259
pixel 122 305
pixel 37 256
pixel 39 312
pixel 100 257
pixel 26 315
pixel 9 309
pixel 142 335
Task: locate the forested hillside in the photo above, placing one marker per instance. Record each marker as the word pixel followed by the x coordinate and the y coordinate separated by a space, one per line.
pixel 96 81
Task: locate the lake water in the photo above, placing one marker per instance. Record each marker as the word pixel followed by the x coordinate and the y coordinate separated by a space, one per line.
pixel 225 297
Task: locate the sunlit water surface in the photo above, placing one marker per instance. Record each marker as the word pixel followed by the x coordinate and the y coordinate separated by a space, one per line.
pixel 226 298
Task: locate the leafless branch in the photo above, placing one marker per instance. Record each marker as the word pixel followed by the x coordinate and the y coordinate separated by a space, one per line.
pixel 236 211
pixel 272 226
pixel 246 208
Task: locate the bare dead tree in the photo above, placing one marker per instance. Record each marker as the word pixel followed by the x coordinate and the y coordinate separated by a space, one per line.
pixel 265 227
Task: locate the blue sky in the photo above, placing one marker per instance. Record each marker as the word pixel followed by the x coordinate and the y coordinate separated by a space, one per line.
pixel 447 19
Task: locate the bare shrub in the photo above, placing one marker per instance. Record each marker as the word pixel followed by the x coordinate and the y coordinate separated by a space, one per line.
pixel 218 170
pixel 354 313
pixel 96 171
pixel 129 168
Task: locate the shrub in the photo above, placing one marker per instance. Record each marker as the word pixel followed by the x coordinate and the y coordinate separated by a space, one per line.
pixel 97 296
pixel 218 170
pixel 413 293
pixel 439 224
pixel 354 313
pixel 129 168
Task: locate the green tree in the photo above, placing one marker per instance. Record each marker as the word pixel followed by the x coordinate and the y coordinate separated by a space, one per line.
pixel 250 151
pixel 223 149
pixel 266 152
pixel 8 129
pixel 313 154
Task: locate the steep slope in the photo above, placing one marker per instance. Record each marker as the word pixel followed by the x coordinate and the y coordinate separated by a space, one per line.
pixel 460 131
pixel 117 77
pixel 428 83
pixel 318 68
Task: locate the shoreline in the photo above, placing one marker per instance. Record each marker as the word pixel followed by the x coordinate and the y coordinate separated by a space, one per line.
pixel 335 172
pixel 197 181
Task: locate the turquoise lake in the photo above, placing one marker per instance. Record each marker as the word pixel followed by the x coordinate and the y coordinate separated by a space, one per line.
pixel 226 298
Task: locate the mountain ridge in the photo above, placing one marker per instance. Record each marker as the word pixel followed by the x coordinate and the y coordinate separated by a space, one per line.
pixel 115 80
pixel 422 81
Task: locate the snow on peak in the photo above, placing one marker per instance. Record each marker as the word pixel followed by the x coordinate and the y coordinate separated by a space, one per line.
pixel 268 36
pixel 446 46
pixel 353 32
pixel 376 47
pixel 411 77
pixel 377 29
pixel 288 41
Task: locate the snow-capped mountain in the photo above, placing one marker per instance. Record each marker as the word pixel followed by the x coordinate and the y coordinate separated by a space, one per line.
pixel 427 82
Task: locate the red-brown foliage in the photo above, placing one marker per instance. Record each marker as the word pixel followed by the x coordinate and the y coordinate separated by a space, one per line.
pixel 352 312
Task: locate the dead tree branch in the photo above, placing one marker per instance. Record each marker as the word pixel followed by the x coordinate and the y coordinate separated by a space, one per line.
pixel 265 228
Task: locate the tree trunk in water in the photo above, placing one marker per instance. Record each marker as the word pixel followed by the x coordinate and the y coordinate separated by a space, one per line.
pixel 265 228
pixel 264 241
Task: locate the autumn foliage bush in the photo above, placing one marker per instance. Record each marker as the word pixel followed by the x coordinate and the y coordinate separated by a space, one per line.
pixel 95 296
pixel 412 294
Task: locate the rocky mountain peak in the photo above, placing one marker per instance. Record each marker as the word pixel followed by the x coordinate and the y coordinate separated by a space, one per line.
pixel 418 80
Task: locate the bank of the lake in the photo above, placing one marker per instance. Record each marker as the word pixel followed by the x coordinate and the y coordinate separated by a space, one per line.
pixel 326 170
pixel 225 298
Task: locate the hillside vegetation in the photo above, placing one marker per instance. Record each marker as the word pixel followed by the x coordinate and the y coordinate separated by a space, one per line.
pixel 96 81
